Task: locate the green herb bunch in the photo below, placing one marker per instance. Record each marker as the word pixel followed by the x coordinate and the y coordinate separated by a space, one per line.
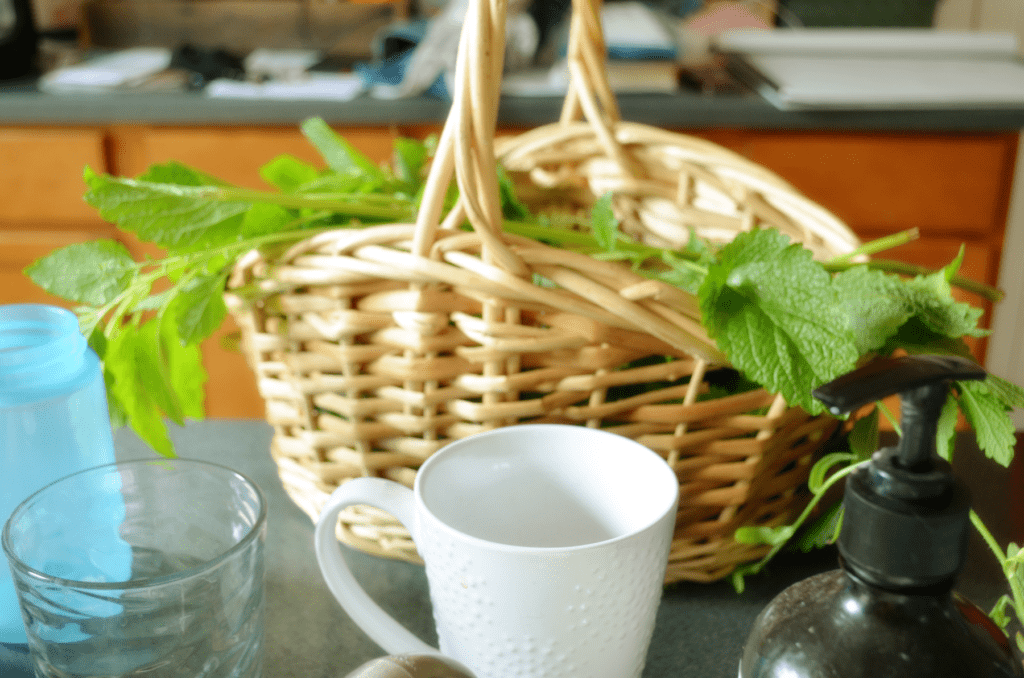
pixel 784 320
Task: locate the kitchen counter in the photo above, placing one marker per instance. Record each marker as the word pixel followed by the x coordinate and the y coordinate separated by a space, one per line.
pixel 22 104
pixel 699 632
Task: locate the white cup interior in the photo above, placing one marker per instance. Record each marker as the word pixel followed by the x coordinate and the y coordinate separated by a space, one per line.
pixel 547 486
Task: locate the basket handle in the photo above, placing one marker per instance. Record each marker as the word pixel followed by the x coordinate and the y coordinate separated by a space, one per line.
pixel 589 96
pixel 466 146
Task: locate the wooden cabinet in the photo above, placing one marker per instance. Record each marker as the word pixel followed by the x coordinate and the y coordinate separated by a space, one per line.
pixel 41 206
pixel 954 188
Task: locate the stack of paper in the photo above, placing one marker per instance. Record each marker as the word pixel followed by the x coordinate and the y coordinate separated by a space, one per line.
pixel 878 68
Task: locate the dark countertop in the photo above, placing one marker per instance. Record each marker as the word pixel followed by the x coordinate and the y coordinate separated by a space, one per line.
pixel 23 104
pixel 699 632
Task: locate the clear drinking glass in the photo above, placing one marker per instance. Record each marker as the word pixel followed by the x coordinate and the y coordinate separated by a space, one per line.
pixel 142 568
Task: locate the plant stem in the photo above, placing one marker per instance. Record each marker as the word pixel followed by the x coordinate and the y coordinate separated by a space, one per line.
pixel 832 480
pixel 1016 592
pixel 366 206
pixel 879 245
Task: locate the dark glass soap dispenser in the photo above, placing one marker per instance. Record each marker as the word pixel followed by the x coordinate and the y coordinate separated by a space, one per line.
pixel 889 611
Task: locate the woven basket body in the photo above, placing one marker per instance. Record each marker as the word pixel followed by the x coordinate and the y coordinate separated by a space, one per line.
pixel 374 347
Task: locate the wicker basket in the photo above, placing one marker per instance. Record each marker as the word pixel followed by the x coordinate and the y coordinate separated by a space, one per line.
pixel 374 347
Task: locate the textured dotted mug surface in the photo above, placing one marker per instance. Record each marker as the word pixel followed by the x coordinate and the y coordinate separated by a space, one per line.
pixel 545 550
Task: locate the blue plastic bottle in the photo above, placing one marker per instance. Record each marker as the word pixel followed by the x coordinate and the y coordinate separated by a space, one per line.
pixel 53 417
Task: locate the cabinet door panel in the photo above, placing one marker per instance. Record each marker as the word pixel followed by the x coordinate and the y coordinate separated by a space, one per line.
pixel 939 183
pixel 41 176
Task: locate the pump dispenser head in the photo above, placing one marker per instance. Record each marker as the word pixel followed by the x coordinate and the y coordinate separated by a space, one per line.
pixel 906 518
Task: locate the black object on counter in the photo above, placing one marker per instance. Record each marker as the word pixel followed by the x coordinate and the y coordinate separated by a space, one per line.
pixel 204 65
pixel 889 611
pixel 18 39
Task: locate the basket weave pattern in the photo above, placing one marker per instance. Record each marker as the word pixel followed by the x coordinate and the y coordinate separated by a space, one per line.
pixel 374 347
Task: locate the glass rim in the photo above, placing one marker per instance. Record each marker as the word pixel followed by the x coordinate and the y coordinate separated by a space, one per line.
pixel 252 533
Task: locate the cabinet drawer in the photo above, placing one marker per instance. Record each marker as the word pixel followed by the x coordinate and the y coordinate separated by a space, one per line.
pixel 233 154
pixel 939 183
pixel 41 175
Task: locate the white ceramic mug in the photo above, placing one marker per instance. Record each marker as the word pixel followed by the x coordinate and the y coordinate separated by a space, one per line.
pixel 545 548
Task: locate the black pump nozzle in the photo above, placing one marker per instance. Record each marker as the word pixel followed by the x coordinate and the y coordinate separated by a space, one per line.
pixel 922 381
pixel 906 517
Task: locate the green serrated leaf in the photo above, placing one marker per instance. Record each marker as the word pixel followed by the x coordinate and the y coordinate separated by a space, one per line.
pixel 604 224
pixel 772 536
pixel 174 172
pixel 772 309
pixel 288 173
pixel 179 217
pixel 999 612
pixel 198 308
pixel 874 304
pixel 915 337
pixel 138 386
pixel 92 273
pixel 263 218
pixel 339 154
pixel 823 531
pixel 1008 392
pixel 184 368
pixel 987 414
pixel 945 430
pixel 933 303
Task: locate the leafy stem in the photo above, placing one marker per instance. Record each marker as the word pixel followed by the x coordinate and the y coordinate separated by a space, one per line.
pixel 788 530
pixel 1010 562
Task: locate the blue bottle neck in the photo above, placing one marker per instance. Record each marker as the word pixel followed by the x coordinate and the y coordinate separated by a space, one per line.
pixel 42 354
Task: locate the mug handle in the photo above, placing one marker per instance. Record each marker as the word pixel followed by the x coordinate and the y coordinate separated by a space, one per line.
pixel 381 627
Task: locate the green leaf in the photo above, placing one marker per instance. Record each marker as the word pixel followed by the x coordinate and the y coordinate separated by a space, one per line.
pixel 773 536
pixel 987 414
pixel 339 154
pixel 823 531
pixel 816 478
pixel 1009 393
pixel 863 437
pixel 138 386
pixel 933 302
pixel 198 308
pixel 874 304
pixel 92 273
pixel 999 614
pixel 945 434
pixel 511 206
pixel 176 216
pixel 288 173
pixel 741 572
pixel 604 223
pixel 184 369
pixel 772 309
pixel 174 172
pixel 410 159
pixel 264 218
pixel 916 337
